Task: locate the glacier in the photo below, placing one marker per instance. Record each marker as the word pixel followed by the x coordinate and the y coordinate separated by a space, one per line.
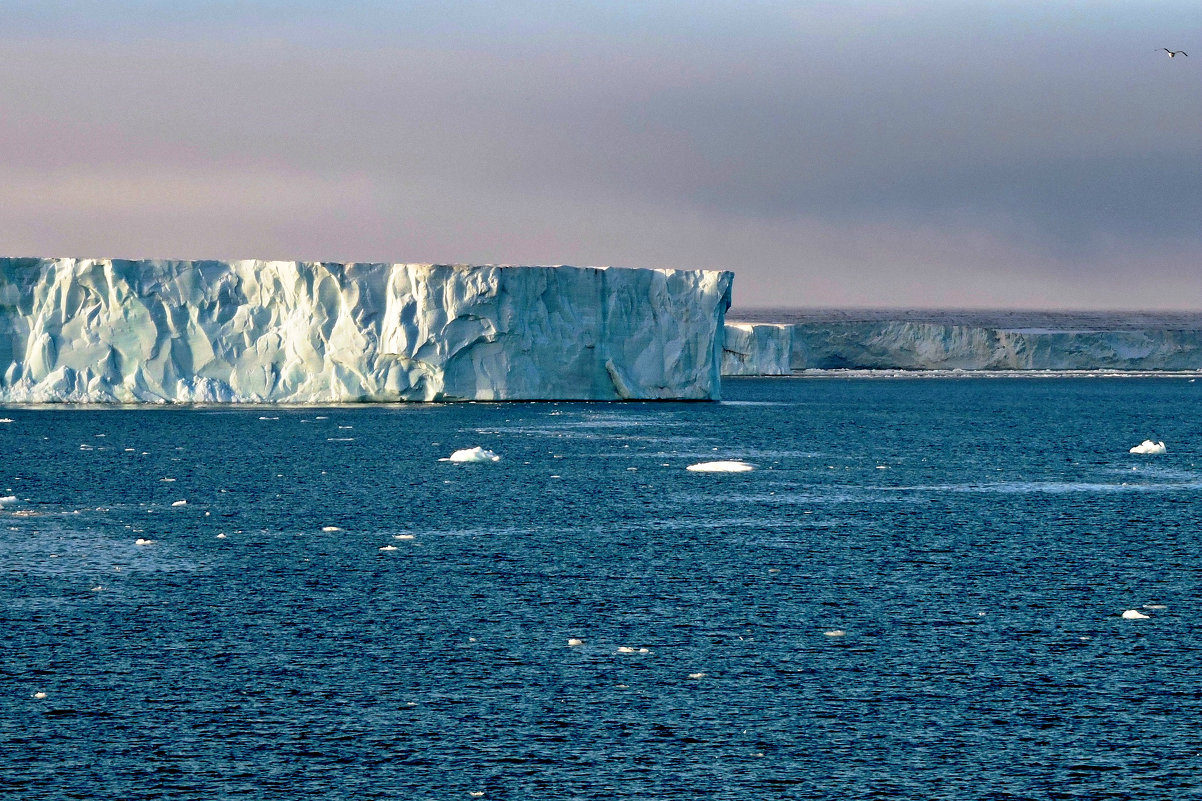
pixel 783 349
pixel 133 331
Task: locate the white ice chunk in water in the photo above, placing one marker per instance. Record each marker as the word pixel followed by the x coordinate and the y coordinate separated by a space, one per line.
pixel 1149 447
pixel 142 541
pixel 388 548
pixel 574 641
pixel 1134 614
pixel 328 529
pixel 179 503
pixel 8 499
pixel 476 454
pixel 721 467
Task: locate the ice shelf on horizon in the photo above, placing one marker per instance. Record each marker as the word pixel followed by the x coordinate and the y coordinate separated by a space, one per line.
pixel 783 349
pixel 99 330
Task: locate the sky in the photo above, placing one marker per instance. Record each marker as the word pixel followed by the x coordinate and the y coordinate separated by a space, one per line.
pixel 1039 155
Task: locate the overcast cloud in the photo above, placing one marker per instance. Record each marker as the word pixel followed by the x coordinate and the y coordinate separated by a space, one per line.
pixel 941 154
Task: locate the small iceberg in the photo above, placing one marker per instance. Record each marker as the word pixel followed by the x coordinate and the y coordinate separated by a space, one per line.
pixel 8 499
pixel 1149 447
pixel 575 641
pixel 179 503
pixel 1134 614
pixel 721 467
pixel 143 541
pixel 476 454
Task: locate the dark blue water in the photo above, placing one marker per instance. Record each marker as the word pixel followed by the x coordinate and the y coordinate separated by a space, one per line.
pixel 974 540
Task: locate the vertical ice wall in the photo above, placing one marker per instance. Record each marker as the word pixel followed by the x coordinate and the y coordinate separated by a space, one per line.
pixel 92 330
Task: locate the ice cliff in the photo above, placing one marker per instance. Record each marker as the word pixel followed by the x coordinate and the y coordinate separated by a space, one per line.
pixel 781 349
pixel 91 330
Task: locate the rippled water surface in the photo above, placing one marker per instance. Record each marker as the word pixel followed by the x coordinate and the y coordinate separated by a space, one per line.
pixel 917 593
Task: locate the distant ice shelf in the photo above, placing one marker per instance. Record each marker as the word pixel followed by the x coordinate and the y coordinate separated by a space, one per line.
pixel 787 348
pixel 105 331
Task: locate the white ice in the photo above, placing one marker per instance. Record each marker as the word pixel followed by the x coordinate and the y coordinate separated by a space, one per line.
pixel 721 467
pixel 1149 447
pixel 476 454
pixel 1134 614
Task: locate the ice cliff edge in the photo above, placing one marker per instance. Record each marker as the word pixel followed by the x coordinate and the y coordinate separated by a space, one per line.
pixel 96 330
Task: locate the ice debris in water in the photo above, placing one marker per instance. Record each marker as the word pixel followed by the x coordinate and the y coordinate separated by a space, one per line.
pixel 142 541
pixel 573 641
pixel 179 503
pixel 721 467
pixel 39 695
pixel 6 419
pixel 328 529
pixel 476 454
pixel 1134 614
pixel 1149 447
pixel 8 499
pixel 626 649
pixel 388 548
pixel 404 536
pixel 835 633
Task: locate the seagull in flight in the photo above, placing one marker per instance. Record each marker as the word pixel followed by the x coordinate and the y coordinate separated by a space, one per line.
pixel 1175 53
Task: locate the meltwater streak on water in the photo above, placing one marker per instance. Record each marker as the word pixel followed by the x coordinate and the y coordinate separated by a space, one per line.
pixel 983 652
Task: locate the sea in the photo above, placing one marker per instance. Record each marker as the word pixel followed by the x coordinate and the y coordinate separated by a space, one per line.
pixel 952 588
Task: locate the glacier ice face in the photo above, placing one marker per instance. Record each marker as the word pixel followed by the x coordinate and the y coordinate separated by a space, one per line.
pixel 92 330
pixel 771 349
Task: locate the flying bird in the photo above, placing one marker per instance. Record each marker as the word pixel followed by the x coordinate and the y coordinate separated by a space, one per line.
pixel 1175 53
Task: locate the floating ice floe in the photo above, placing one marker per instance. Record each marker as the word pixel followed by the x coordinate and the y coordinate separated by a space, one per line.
pixel 6 419
pixel 143 541
pixel 721 467
pixel 696 675
pixel 39 695
pixel 328 529
pixel 179 503
pixel 476 454
pixel 835 633
pixel 388 548
pixel 1155 606
pixel 1149 447
pixel 626 649
pixel 220 536
pixel 1134 614
pixel 573 641
pixel 404 536
pixel 8 499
